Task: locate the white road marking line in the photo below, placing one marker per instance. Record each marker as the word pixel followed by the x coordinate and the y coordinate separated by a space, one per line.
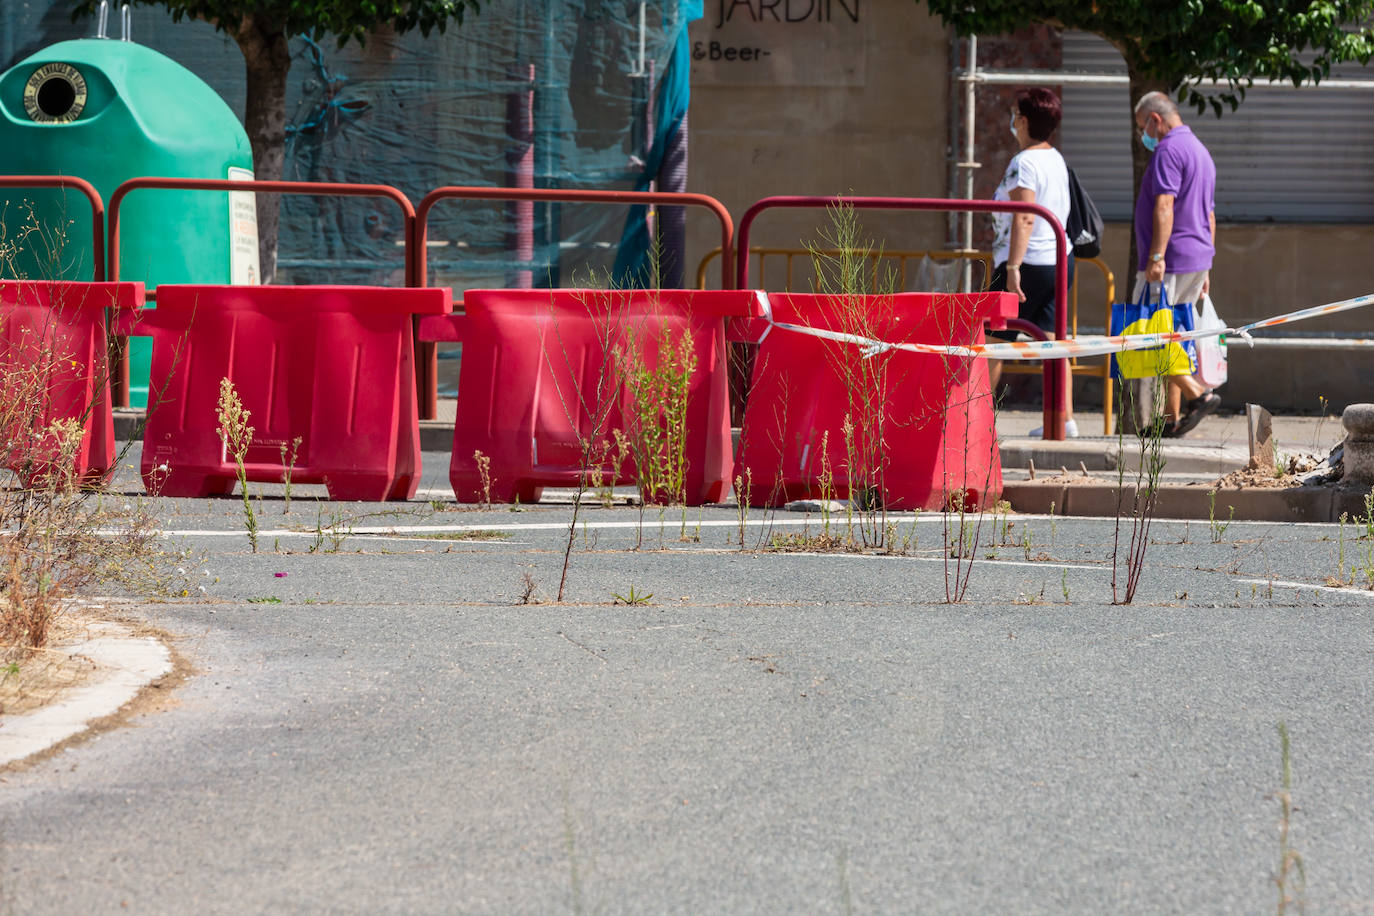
pixel 1284 583
pixel 893 556
pixel 925 518
pixel 528 526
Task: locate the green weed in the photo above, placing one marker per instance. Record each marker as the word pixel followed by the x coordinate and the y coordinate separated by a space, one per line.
pixel 1218 527
pixel 288 463
pixel 1291 875
pixel 632 597
pixel 658 386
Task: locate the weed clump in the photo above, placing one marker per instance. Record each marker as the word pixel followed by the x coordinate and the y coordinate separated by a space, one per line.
pixel 60 532
pixel 237 435
pixel 657 375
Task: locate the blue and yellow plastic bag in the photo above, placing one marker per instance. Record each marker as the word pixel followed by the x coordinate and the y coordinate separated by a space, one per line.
pixel 1148 317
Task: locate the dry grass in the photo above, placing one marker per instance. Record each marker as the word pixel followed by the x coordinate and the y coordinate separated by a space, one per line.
pixel 59 533
pixel 43 675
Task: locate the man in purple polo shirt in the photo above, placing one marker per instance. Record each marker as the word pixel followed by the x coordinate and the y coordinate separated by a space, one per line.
pixel 1176 233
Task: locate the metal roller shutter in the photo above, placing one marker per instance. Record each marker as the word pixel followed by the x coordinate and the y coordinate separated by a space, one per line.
pixel 1286 155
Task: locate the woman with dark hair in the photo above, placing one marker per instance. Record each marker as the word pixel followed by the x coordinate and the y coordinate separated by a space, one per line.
pixel 1023 245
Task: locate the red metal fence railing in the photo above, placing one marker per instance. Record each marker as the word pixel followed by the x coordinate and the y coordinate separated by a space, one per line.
pixel 734 266
pixel 425 353
pixel 1055 371
pixel 92 195
pixel 120 374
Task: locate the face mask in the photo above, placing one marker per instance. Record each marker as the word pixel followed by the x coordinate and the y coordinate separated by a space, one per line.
pixel 1013 127
pixel 1148 142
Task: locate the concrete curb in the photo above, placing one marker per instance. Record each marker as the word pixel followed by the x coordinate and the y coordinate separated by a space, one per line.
pixel 1101 455
pixel 1252 504
pixel 436 436
pixel 129 664
pixel 128 423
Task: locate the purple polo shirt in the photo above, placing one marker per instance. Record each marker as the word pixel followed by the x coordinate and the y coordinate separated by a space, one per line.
pixel 1180 166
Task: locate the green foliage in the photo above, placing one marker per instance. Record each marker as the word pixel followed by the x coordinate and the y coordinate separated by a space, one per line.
pixel 319 18
pixel 658 376
pixel 1234 42
pixel 846 268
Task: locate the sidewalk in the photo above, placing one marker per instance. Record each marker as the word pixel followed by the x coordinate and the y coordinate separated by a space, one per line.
pixel 1079 476
pixel 1218 446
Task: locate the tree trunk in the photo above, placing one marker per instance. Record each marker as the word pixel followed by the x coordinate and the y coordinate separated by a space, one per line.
pixel 267 60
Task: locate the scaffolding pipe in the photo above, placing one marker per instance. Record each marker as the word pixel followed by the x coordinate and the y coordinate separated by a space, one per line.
pixel 1305 343
pixel 1053 78
pixel 970 79
pixel 519 174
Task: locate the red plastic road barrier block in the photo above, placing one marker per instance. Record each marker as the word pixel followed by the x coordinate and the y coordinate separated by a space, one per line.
pixel 921 426
pixel 542 375
pixel 53 367
pixel 333 365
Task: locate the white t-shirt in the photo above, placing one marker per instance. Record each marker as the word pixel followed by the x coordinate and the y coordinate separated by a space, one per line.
pixel 1044 172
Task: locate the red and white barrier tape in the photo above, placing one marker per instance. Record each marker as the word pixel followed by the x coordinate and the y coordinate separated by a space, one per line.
pixel 1096 345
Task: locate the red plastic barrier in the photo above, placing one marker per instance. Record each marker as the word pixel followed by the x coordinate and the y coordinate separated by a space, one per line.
pixel 1057 378
pixel 53 365
pixel 334 365
pixel 540 376
pixel 922 424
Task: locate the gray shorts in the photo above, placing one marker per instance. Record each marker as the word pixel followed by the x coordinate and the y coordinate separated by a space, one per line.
pixel 1177 287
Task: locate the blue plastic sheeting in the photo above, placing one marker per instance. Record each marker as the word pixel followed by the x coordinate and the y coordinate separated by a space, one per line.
pixel 418 113
pixel 633 265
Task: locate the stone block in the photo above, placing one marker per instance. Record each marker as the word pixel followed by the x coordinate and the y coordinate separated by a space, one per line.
pixel 1358 420
pixel 1033 497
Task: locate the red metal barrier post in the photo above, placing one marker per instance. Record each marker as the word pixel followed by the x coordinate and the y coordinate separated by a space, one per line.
pixel 92 195
pixel 425 360
pixel 1056 371
pixel 316 188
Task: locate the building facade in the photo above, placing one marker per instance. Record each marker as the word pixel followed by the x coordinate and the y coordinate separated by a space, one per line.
pixel 824 97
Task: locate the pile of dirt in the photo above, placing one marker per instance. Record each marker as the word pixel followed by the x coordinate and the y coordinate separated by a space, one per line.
pixel 1255 477
pixel 1294 471
pixel 1066 479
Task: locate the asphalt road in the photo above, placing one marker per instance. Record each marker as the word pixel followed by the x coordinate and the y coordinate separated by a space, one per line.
pixel 772 733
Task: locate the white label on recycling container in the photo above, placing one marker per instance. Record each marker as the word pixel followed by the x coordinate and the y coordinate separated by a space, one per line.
pixel 243 232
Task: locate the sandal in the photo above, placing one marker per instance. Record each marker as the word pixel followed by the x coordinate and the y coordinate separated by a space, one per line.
pixel 1199 408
